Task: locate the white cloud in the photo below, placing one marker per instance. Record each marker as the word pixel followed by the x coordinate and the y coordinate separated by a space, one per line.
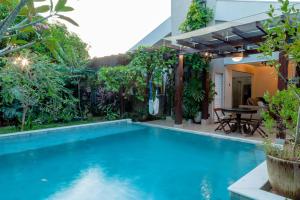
pixel 93 184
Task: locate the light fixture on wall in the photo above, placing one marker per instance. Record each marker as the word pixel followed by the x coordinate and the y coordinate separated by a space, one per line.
pixel 237 57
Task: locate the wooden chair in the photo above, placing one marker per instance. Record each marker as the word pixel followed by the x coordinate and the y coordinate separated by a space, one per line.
pixel 255 126
pixel 222 120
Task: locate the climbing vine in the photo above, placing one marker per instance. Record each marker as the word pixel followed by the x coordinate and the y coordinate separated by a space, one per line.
pixel 194 93
pixel 197 17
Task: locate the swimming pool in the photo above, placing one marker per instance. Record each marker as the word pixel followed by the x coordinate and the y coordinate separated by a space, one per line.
pixel 121 161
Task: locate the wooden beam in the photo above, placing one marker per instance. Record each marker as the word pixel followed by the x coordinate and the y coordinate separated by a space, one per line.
pixel 260 27
pixel 179 91
pixel 283 71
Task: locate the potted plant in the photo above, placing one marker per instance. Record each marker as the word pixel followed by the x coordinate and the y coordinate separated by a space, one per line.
pixel 283 162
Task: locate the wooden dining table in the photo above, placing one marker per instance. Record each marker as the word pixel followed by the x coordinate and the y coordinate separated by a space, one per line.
pixel 238 112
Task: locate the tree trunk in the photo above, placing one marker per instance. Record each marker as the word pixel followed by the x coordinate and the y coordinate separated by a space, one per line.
pixel 25 109
pixel 283 71
pixel 79 99
pixel 122 101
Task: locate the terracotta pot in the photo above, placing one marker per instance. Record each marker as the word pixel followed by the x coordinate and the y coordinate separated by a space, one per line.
pixel 284 177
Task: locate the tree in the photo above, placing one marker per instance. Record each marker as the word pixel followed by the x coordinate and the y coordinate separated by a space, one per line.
pixel 65 47
pixel 146 64
pixel 283 34
pixel 197 17
pixel 151 64
pixel 68 49
pixel 38 87
pixel 30 15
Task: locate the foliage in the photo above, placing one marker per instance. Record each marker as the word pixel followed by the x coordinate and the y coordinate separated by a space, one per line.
pixel 37 87
pixel 146 64
pixel 286 153
pixel 283 30
pixel 196 62
pixel 197 17
pixel 25 16
pixel 212 91
pixel 282 110
pixel 107 104
pixel 194 93
pixel 192 98
pixel 139 114
pixel 116 78
pixel 132 80
pixel 151 64
pixel 65 47
pixel 68 49
pixel 110 113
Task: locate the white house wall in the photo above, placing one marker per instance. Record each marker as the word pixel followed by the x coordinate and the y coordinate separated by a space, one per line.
pixel 229 10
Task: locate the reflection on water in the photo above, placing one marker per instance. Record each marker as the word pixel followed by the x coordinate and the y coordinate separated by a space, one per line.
pixel 206 189
pixel 93 184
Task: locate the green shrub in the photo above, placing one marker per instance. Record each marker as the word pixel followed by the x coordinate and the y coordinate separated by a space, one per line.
pixel 37 87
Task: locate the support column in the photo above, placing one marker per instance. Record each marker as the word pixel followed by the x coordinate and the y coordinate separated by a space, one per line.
pixel 283 70
pixel 205 103
pixel 179 91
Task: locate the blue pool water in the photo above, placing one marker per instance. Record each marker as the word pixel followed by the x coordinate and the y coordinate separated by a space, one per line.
pixel 121 161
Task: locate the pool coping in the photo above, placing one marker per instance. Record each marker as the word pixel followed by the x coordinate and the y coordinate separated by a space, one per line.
pixel 251 185
pixel 24 133
pixel 249 141
pixel 30 132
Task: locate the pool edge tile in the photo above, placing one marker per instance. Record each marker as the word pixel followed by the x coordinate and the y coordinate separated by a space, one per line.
pixel 46 131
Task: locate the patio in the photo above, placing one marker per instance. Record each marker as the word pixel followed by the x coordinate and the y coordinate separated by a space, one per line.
pixel 207 128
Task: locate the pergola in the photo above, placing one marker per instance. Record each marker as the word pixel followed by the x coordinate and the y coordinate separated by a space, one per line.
pixel 229 39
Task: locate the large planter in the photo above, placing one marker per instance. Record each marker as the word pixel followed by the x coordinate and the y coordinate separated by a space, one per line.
pixel 284 177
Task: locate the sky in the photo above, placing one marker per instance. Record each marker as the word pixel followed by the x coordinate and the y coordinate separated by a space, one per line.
pixel 114 26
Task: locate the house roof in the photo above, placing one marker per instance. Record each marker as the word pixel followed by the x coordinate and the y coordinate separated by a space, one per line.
pixel 242 35
pixel 156 36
